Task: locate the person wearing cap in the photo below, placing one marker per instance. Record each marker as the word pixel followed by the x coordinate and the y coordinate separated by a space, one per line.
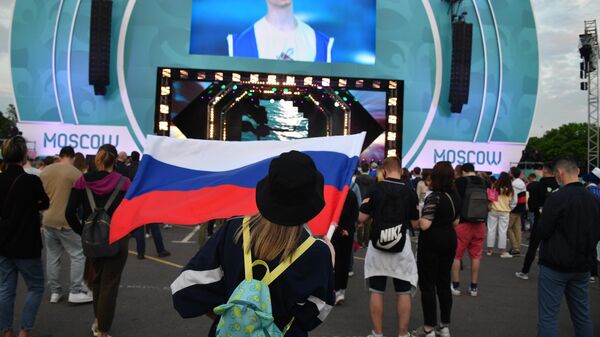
pixel 287 198
pixel 592 180
pixel 538 194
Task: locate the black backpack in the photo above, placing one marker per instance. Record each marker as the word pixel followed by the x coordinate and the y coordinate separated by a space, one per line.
pixel 389 228
pixel 96 227
pixel 475 202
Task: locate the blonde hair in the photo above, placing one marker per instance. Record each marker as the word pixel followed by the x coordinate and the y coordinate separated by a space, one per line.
pixel 269 240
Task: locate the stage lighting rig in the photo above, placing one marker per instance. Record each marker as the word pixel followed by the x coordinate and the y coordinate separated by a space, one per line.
pixel 589 53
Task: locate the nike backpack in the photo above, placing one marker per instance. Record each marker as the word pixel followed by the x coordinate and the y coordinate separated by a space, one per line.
pixel 389 227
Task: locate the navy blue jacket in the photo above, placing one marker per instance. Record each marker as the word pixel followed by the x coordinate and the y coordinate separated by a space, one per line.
pixel 303 292
pixel 569 229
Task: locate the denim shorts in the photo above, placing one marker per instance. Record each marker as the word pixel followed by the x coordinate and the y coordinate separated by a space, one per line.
pixel 377 284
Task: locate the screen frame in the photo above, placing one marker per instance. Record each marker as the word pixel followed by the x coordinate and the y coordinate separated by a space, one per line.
pixel 394 90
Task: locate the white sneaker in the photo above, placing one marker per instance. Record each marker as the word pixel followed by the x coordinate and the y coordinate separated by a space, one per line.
pixel 147 236
pixel 80 298
pixel 505 255
pixel 55 298
pixel 340 297
pixel 95 331
pixel 592 279
pixel 454 291
pixel 473 292
pixel 420 332
pixel 442 331
pixel 350 274
pixel 522 276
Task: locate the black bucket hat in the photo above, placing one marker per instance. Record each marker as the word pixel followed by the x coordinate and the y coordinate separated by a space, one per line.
pixel 292 193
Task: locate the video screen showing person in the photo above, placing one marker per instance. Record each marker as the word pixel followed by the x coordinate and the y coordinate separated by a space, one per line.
pixel 289 30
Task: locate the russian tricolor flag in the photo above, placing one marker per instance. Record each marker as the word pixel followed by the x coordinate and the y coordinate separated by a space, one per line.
pixel 188 181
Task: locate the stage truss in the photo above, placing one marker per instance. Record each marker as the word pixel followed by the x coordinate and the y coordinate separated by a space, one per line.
pixel 251 83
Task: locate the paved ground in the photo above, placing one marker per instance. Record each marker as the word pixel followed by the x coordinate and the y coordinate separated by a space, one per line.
pixel 506 306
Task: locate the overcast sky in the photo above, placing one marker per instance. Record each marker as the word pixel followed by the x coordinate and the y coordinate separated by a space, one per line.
pixel 559 23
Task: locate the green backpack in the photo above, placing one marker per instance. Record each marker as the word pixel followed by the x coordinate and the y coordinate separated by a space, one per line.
pixel 248 311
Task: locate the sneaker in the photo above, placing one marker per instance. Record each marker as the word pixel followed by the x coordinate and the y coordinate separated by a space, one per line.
pixel 454 291
pixel 95 331
pixel 164 253
pixel 515 252
pixel 148 235
pixel 522 276
pixel 505 255
pixel 167 226
pixel 80 298
pixel 420 332
pixel 442 331
pixel 473 292
pixel 340 297
pixel 350 274
pixel 592 279
pixel 55 298
pixel 488 253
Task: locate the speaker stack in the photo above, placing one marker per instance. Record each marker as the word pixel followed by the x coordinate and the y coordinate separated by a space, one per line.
pixel 462 40
pixel 99 59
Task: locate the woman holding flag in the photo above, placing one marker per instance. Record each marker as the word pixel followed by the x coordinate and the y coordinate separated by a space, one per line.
pixel 297 268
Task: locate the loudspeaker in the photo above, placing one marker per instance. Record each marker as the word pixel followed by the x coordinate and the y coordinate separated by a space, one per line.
pixel 462 40
pixel 99 57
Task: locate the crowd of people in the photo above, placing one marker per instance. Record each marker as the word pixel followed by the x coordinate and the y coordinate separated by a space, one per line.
pixel 416 227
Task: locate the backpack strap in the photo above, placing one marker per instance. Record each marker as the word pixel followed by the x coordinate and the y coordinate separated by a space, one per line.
pixel 91 198
pixel 247 249
pixel 110 200
pixel 452 203
pixel 270 276
pixel 114 194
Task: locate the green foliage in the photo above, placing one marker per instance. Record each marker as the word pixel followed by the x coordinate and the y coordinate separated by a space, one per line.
pixel 8 121
pixel 569 139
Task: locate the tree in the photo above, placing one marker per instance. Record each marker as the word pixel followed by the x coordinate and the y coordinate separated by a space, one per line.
pixel 8 121
pixel 11 113
pixel 567 140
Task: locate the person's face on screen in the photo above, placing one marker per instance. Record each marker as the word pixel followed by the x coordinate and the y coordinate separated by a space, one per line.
pixel 279 3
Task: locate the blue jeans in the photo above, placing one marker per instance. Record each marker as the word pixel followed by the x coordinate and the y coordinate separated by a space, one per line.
pixel 552 285
pixel 140 239
pixel 32 272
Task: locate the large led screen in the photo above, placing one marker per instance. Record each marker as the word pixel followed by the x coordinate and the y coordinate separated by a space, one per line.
pixel 285 119
pixel 291 30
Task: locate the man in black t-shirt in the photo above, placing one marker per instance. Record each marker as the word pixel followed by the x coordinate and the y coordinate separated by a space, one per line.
pixel 470 235
pixel 400 266
pixel 538 192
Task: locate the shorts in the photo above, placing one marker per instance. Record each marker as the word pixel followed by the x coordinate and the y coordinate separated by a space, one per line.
pixel 377 284
pixel 470 236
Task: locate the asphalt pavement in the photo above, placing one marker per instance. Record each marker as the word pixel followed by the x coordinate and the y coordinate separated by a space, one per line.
pixel 506 306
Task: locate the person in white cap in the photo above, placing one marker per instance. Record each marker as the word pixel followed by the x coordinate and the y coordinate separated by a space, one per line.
pixel 592 180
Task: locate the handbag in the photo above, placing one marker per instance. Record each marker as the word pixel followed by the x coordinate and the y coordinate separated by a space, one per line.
pixel 492 194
